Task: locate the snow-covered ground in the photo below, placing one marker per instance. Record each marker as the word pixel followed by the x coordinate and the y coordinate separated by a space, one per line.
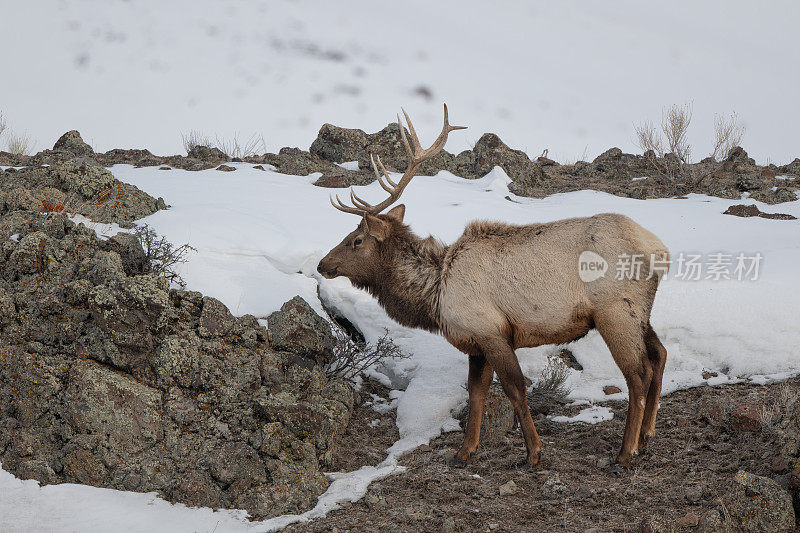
pixel 569 76
pixel 259 236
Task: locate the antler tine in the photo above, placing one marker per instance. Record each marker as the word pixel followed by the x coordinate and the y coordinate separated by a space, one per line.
pixel 440 141
pixel 358 202
pixel 381 178
pixel 386 174
pixel 414 138
pixel 416 156
pixel 345 208
pixel 409 151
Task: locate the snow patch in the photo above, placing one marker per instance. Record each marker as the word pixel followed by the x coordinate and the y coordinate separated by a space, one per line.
pixel 591 415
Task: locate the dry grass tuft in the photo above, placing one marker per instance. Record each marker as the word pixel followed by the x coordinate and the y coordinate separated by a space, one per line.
pixel 19 144
pixel 235 149
pixel 193 139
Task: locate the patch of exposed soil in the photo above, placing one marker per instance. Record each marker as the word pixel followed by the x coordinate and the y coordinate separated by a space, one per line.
pixel 705 436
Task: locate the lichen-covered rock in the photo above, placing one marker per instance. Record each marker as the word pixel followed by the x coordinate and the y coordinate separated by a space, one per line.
pixel 297 329
pixel 110 378
pixel 72 143
pixel 206 153
pixel 76 185
pixel 756 503
pixel 83 177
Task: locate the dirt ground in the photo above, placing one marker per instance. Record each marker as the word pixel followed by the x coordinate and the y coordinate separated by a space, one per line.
pixel 700 445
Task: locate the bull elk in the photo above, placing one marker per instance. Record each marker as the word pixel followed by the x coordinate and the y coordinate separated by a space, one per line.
pixel 500 287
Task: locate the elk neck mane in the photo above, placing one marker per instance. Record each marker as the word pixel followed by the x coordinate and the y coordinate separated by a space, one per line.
pixel 408 288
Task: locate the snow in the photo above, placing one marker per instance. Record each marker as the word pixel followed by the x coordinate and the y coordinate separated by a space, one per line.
pixel 590 415
pixel 571 77
pixel 259 236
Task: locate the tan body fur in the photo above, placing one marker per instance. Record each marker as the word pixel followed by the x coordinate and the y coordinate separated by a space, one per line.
pixel 500 287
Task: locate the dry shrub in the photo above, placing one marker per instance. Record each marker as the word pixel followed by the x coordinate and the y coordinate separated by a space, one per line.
pixel 3 123
pixel 728 133
pixel 19 144
pixel 352 358
pixel 648 138
pixel 162 255
pixel 675 123
pixel 551 389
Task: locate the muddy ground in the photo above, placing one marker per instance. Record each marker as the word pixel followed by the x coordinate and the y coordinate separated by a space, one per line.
pixel 700 445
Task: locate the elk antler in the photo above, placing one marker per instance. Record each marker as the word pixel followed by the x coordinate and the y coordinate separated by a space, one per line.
pixel 416 156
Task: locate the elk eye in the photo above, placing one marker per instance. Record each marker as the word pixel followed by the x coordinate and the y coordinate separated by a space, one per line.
pixel 357 241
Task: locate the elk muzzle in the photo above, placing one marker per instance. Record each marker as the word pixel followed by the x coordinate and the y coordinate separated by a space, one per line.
pixel 327 269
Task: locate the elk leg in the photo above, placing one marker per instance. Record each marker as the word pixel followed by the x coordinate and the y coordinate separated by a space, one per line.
pixel 624 336
pixel 657 355
pixel 478 382
pixel 505 363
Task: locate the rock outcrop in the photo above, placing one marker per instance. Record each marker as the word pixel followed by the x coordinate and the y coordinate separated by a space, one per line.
pixel 109 377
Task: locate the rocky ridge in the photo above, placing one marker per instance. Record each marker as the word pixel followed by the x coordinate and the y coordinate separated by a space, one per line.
pixel 630 175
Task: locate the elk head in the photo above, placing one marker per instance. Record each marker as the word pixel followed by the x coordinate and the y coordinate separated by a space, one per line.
pixel 362 255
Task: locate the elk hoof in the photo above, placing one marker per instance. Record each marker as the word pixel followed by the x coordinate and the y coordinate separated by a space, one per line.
pixel 455 462
pixel 617 468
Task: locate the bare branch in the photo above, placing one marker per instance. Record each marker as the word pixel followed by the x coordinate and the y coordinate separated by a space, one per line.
pixel 728 134
pixel 351 358
pixel 675 123
pixel 649 138
pixel 161 254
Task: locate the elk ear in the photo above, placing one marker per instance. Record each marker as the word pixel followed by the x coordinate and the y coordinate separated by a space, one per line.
pixel 397 213
pixel 377 227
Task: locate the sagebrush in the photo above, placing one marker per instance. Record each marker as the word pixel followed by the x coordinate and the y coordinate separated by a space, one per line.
pixel 351 358
pixel 162 255
pixel 551 389
pixel 728 133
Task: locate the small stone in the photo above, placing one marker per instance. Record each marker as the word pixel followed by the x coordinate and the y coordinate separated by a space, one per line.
pixel 508 488
pixel 611 389
pixel 747 417
pixel 603 463
pixel 779 464
pixel 493 526
pixel 794 478
pixel 689 520
pixel 226 168
pixel 693 494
